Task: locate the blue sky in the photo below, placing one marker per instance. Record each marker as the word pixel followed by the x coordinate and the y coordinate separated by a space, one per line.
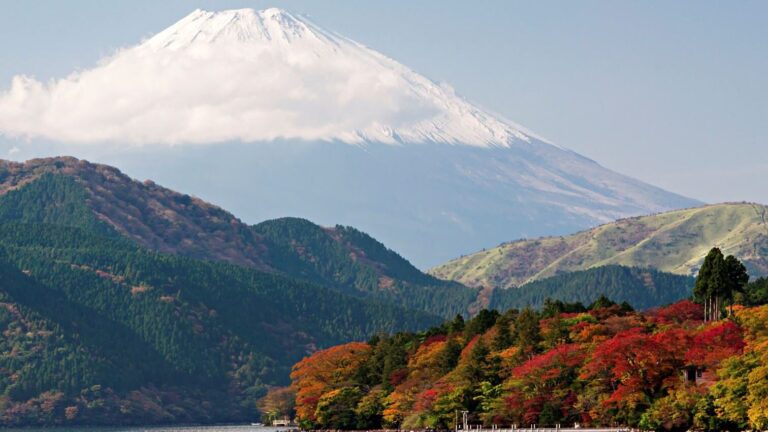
pixel 673 93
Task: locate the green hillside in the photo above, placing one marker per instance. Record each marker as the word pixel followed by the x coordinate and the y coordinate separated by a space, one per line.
pixel 100 330
pixel 641 288
pixel 340 258
pixel 125 302
pixel 357 264
pixel 674 242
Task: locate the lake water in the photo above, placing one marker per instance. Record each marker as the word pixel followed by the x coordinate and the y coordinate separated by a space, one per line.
pixel 242 428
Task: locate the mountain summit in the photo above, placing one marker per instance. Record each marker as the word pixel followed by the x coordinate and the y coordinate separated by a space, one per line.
pixel 372 97
pixel 248 75
pixel 272 25
pixel 268 114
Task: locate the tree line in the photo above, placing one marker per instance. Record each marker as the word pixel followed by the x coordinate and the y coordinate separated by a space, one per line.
pixel 695 364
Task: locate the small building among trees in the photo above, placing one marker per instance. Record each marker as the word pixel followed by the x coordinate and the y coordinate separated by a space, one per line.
pixel 693 374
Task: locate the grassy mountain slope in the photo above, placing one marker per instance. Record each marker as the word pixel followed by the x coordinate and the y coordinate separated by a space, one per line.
pixel 642 288
pixel 160 219
pixel 193 340
pixel 674 242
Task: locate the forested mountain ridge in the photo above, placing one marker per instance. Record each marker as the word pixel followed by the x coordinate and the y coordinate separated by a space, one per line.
pixel 674 242
pixel 642 288
pixel 71 192
pixel 358 264
pixel 159 219
pixel 193 340
pixel 154 217
pixel 198 311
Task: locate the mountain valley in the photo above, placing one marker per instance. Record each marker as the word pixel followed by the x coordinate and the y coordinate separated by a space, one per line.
pixel 102 272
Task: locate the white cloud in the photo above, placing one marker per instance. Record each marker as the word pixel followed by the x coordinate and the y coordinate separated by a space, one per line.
pixel 207 80
pixel 142 96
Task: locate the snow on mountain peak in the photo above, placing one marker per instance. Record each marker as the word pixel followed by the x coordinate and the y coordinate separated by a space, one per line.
pixel 250 76
pixel 237 25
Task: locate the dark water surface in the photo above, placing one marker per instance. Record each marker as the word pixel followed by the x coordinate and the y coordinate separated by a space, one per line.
pixel 240 428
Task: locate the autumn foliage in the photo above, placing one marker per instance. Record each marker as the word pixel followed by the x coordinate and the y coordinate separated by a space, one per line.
pixel 324 373
pixel 663 369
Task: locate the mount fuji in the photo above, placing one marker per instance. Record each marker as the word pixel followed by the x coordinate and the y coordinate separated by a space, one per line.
pixel 267 114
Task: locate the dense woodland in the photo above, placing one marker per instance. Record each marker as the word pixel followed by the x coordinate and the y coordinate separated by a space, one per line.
pixel 642 288
pixel 99 330
pixel 99 327
pixel 601 365
pixel 156 218
pixel 357 264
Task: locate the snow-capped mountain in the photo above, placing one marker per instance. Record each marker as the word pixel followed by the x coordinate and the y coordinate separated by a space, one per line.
pixel 291 119
pixel 247 75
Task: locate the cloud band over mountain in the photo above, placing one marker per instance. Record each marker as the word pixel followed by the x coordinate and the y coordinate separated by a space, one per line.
pixel 247 76
pixel 256 82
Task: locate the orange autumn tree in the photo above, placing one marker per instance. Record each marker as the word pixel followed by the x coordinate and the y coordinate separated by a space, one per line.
pixel 600 365
pixel 324 375
pixel 417 391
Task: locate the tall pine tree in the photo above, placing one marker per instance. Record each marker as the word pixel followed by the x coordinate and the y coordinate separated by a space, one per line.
pixel 718 280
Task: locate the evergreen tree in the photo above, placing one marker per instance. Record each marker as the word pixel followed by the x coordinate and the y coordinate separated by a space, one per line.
pixel 556 334
pixel 719 279
pixel 602 302
pixel 477 365
pixel 736 277
pixel 484 320
pixel 553 307
pixel 710 283
pixel 528 333
pixel 457 325
pixel 449 356
pixel 756 293
pixel 503 338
